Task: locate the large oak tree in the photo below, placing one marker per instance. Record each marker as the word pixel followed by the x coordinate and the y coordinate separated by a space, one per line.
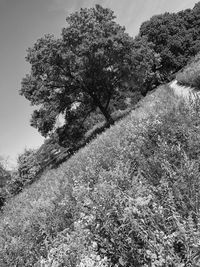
pixel 79 72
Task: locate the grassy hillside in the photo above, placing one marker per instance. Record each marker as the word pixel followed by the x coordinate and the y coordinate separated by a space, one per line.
pixel 129 198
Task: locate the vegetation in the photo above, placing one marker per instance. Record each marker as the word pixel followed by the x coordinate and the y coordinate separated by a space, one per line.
pixel 59 84
pixel 146 64
pixel 33 162
pixel 176 38
pixel 77 73
pixel 130 197
pixel 5 177
pixel 93 68
pixel 190 75
pixel 95 65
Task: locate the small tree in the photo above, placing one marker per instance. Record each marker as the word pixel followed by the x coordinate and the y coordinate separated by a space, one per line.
pixel 28 167
pixel 79 72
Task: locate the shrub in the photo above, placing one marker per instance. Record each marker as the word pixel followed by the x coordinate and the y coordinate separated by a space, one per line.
pixel 190 75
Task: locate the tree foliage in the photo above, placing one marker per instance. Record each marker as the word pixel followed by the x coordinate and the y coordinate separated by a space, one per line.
pixel 79 72
pixel 5 177
pixel 146 64
pixel 175 36
pixel 28 167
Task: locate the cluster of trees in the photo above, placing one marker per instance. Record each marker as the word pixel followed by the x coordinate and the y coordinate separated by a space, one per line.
pixel 94 69
pixel 95 63
pixel 176 38
pixel 85 71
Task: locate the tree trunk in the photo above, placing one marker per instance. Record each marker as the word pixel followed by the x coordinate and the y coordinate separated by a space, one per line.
pixel 144 92
pixel 104 111
pixel 108 117
pixel 106 114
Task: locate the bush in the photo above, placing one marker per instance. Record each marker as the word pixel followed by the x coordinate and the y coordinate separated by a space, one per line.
pixel 190 76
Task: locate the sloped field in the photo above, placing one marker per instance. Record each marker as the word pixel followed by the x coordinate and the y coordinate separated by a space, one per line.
pixel 123 199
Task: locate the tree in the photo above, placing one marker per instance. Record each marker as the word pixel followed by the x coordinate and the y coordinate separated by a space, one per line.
pixel 167 33
pixel 79 72
pixel 28 167
pixel 175 37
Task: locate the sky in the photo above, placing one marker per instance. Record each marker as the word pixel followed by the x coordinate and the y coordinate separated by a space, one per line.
pixel 22 22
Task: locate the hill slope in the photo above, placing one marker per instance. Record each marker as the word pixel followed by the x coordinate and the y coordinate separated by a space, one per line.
pixel 114 201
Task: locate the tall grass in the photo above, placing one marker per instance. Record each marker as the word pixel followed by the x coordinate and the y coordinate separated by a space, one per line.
pixel 117 199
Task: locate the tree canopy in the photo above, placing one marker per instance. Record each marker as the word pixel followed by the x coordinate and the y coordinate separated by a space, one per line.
pixel 92 64
pixel 175 37
pixel 146 64
pixel 79 72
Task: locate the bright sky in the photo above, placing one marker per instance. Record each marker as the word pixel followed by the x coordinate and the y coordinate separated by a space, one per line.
pixel 22 22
